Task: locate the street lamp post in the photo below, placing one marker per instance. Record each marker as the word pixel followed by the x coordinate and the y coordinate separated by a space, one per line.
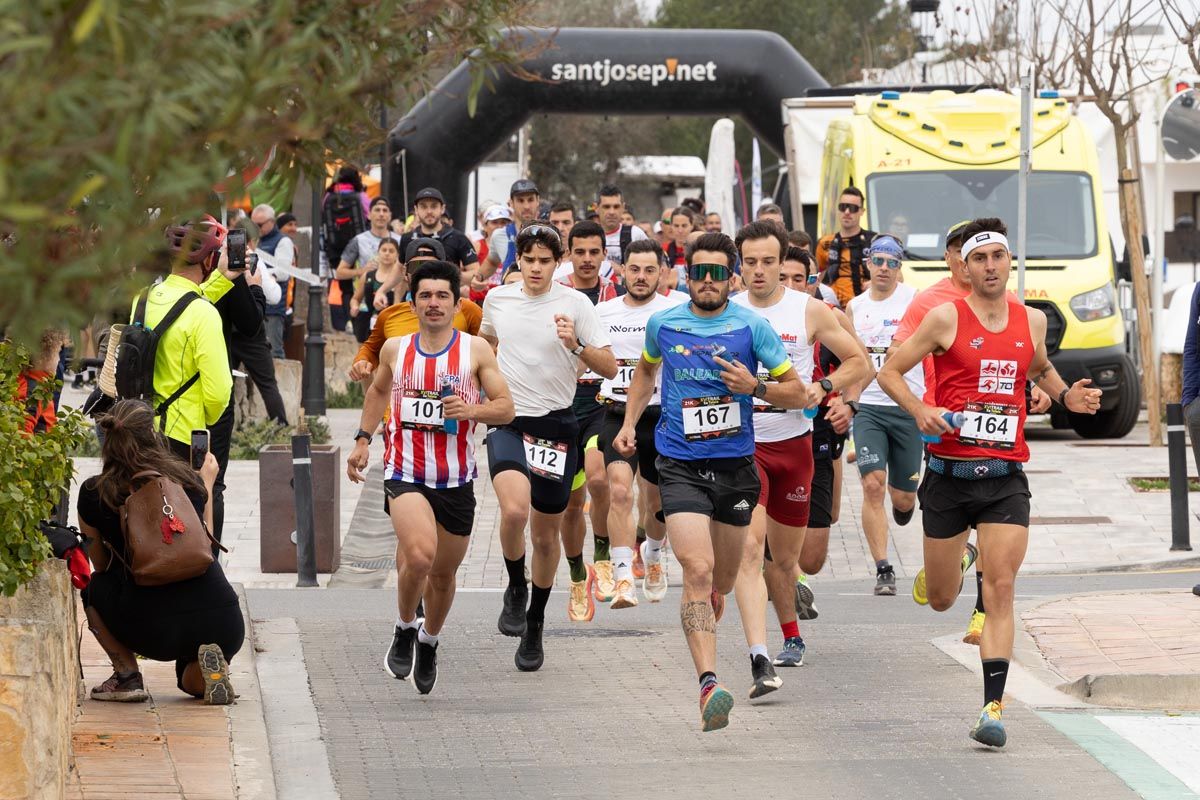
pixel 313 395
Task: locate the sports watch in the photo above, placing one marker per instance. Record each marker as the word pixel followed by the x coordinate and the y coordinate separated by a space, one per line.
pixel 760 391
pixel 578 351
pixel 826 384
pixel 361 434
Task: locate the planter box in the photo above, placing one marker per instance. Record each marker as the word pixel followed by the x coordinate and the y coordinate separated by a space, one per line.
pixel 277 514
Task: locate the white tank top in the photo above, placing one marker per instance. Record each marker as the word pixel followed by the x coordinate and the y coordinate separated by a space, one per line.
pixel 875 322
pixel 788 318
pixel 626 326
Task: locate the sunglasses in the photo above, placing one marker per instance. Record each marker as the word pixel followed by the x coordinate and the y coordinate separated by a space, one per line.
pixel 718 272
pixel 537 230
pixel 884 261
pixel 811 280
pixel 848 207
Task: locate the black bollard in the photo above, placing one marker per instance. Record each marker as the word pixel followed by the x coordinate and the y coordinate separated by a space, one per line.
pixel 1177 462
pixel 306 550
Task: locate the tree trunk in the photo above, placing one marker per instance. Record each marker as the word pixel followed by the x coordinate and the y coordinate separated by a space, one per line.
pixel 1131 222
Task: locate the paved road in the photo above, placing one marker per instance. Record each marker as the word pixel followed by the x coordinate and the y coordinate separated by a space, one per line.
pixel 876 712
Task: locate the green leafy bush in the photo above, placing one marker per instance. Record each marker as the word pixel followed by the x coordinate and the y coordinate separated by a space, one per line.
pixel 33 471
pixel 352 397
pixel 251 437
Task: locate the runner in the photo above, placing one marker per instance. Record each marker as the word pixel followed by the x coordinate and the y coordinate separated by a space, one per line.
pixel 585 245
pixel 783 450
pixel 429 465
pixel 947 290
pixel 618 235
pixel 625 319
pixel 886 439
pixel 705 441
pixel 545 334
pixel 984 347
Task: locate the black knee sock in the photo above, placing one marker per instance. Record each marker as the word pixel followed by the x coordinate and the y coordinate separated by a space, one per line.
pixel 995 673
pixel 882 566
pixel 979 592
pixel 537 604
pixel 516 571
pixel 578 568
pixel 603 552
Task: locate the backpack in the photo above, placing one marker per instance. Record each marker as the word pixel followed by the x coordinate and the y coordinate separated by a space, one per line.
pixel 166 541
pixel 625 240
pixel 341 220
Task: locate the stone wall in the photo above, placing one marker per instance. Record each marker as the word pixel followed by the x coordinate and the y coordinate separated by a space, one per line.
pixel 340 349
pixel 39 685
pixel 247 402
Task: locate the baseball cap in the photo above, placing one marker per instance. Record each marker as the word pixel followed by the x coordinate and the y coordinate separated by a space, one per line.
pixel 284 219
pixel 523 186
pixel 429 193
pixel 955 232
pixel 424 246
pixel 498 212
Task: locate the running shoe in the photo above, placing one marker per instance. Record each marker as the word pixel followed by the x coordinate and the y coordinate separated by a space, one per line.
pixel 399 660
pixel 580 606
pixel 424 673
pixel 902 517
pixel 715 705
pixel 792 654
pixel 624 595
pixel 885 582
pixel 639 566
pixel 530 654
pixel 990 730
pixel 975 627
pixel 654 586
pixel 718 604
pixel 217 689
pixel 763 674
pixel 602 588
pixel 806 609
pixel 116 689
pixel 919 592
pixel 512 616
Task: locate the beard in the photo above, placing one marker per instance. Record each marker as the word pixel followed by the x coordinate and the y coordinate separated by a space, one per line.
pixel 710 304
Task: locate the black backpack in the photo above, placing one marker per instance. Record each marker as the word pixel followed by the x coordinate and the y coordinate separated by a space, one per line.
pixel 341 220
pixel 625 240
pixel 137 348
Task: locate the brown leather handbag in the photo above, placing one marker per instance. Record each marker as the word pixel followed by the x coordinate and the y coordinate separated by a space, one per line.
pixel 165 539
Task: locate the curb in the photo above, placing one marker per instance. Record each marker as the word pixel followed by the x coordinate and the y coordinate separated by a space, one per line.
pixel 253 773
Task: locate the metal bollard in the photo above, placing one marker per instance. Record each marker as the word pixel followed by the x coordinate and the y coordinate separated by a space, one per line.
pixel 1177 463
pixel 302 491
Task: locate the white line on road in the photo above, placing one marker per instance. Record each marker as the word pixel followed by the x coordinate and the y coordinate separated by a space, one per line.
pixel 1174 742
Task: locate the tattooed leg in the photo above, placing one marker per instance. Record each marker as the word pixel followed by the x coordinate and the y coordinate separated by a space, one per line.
pixel 693 548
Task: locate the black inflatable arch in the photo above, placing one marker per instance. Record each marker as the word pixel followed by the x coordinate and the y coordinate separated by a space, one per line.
pixel 601 71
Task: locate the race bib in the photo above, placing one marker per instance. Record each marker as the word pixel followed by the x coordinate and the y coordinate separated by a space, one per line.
pixel 713 417
pixel 762 406
pixel 421 410
pixel 990 425
pixel 545 458
pixel 878 356
pixel 589 378
pixel 624 376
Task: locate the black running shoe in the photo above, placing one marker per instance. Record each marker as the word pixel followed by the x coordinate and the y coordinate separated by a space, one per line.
pixel 399 660
pixel 512 616
pixel 765 679
pixel 530 654
pixel 424 674
pixel 902 517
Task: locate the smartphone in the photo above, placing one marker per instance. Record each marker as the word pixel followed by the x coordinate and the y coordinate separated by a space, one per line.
pixel 235 249
pixel 199 448
pixel 252 262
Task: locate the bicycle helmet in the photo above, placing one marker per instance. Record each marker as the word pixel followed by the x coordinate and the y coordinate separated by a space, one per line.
pixel 196 241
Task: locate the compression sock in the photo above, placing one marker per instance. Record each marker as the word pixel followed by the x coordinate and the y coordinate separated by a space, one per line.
pixel 537 603
pixel 516 570
pixel 622 558
pixel 654 548
pixel 791 630
pixel 979 592
pixel 602 551
pixel 577 567
pixel 426 638
pixel 883 565
pixel 759 650
pixel 995 673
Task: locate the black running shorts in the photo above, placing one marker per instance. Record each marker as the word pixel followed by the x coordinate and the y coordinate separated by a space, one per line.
pixel 951 505
pixel 645 454
pixel 725 489
pixel 820 509
pixel 453 509
pixel 544 450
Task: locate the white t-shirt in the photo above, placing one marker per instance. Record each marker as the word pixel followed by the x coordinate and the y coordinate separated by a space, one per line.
pixel 625 325
pixel 875 322
pixel 612 242
pixel 789 319
pixel 364 247
pixel 540 372
pixel 566 268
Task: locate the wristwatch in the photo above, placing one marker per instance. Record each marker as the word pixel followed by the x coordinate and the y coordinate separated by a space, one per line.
pixel 760 391
pixel 826 384
pixel 853 404
pixel 578 351
pixel 361 434
pixel 1062 397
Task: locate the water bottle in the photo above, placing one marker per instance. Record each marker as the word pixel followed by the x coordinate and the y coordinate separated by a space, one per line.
pixel 954 419
pixel 811 413
pixel 449 425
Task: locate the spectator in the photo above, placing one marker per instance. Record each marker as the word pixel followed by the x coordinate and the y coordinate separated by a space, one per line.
pixel 1191 374
pixel 41 369
pixel 800 239
pixel 287 225
pixel 772 212
pixel 429 207
pixel 712 222
pixel 251 350
pixel 375 289
pixel 196 622
pixel 344 210
pixel 274 250
pixel 841 256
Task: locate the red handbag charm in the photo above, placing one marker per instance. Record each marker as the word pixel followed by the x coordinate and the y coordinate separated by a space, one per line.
pixel 171 524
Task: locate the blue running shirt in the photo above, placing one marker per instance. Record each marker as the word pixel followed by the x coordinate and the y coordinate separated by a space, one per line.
pixel 701 418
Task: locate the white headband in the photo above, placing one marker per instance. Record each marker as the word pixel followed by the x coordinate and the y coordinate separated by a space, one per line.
pixel 980 239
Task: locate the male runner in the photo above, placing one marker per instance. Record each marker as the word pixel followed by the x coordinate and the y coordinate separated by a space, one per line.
pixel 429 471
pixel 984 346
pixel 545 334
pixel 585 245
pixel 625 320
pixel 783 449
pixel 705 439
pixel 887 439
pixel 953 287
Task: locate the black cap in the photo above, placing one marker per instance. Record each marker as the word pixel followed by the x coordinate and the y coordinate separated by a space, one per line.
pixel 429 193
pixel 424 243
pixel 523 186
pixel 284 219
pixel 955 234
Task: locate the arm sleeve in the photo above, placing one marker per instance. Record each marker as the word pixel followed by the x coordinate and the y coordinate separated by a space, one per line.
pixel 375 341
pixel 212 362
pixel 216 287
pixel 768 349
pixel 285 253
pixel 487 324
pixel 636 234
pixel 650 350
pixel 1191 358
